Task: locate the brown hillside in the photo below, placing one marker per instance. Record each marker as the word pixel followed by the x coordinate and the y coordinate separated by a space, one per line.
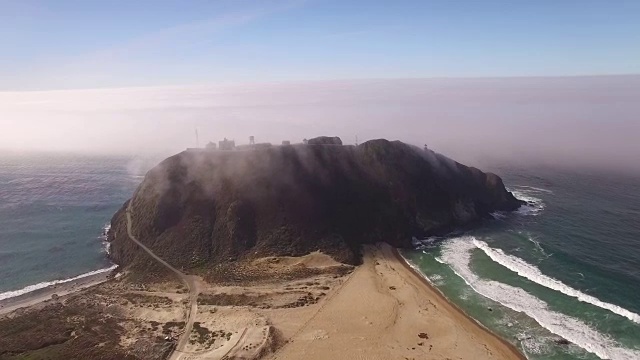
pixel 206 207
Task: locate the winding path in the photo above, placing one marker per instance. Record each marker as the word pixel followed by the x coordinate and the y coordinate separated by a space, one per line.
pixel 189 280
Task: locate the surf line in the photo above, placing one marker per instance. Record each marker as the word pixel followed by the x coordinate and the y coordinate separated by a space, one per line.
pixel 42 285
pixel 534 274
pixel 457 252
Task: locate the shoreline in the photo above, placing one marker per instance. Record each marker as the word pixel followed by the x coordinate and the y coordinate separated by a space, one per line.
pixel 384 310
pixel 43 295
pixel 455 307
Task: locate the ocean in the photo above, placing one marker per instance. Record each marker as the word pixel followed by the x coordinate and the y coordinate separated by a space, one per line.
pixel 54 213
pixel 560 278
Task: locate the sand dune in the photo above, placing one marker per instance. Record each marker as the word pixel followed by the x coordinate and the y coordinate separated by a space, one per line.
pixel 384 311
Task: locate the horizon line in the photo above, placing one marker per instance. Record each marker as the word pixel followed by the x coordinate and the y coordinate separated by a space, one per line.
pixel 317 81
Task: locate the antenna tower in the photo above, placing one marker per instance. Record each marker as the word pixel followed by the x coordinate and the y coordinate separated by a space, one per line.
pixel 197 140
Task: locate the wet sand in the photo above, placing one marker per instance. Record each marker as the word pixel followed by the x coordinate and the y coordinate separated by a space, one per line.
pixel 454 307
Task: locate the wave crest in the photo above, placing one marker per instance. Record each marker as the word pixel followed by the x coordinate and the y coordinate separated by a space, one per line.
pixel 533 206
pixel 534 274
pixel 106 245
pixel 457 253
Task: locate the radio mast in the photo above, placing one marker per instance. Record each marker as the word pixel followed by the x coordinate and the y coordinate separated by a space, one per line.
pixel 197 140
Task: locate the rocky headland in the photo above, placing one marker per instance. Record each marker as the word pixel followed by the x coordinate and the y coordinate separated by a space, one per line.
pixel 199 208
pixel 249 254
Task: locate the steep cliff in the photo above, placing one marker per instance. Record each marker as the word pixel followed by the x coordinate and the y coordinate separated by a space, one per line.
pixel 206 207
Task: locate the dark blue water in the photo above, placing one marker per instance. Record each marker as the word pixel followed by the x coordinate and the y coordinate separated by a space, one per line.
pixel 53 211
pixel 565 267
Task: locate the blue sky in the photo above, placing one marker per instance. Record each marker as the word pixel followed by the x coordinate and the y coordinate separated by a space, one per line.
pixel 64 44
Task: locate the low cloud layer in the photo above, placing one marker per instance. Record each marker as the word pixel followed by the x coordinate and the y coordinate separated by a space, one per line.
pixel 591 121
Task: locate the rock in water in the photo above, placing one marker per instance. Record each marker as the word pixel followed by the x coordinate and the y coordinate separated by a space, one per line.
pixel 204 207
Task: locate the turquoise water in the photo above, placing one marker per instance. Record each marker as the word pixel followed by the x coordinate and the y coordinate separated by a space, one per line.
pixel 565 267
pixel 53 213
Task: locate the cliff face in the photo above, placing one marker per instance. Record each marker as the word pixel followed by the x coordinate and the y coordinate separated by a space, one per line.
pixel 203 207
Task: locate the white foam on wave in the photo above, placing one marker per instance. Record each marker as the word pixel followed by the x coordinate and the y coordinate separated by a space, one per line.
pixel 434 279
pixel 42 285
pixel 539 247
pixel 534 274
pixel 430 279
pixel 533 206
pixel 535 189
pixel 457 253
pixel 425 243
pixel 533 344
pixel 103 237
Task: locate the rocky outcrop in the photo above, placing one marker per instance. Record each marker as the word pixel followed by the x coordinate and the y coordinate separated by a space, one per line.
pixel 206 207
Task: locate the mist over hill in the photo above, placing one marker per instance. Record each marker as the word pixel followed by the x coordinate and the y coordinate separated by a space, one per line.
pixel 204 207
pixel 563 121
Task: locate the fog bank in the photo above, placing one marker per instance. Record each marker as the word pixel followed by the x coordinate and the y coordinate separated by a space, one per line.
pixel 583 121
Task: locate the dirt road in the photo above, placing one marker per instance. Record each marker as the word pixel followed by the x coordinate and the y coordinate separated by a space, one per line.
pixel 191 282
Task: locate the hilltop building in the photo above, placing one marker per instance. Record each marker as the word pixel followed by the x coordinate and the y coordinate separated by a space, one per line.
pixel 324 140
pixel 227 144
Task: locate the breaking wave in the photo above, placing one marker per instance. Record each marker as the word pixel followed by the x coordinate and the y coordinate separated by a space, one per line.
pixel 533 206
pixel 106 246
pixel 533 188
pixel 430 242
pixel 534 274
pixel 537 245
pixel 457 253
pixel 42 285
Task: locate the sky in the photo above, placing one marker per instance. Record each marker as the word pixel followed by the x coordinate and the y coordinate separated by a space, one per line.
pixel 69 44
pixel 544 81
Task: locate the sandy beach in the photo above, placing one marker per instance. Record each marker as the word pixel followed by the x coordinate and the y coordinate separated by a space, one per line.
pixel 384 310
pixel 45 294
